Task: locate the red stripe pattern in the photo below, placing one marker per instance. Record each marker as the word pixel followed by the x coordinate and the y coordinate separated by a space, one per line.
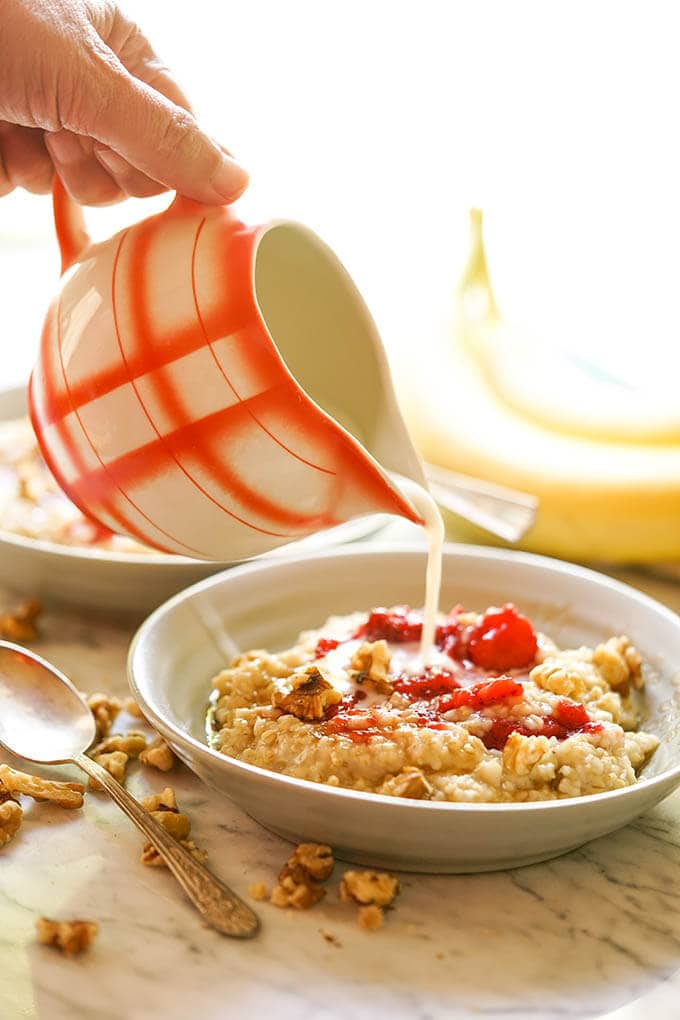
pixel 164 410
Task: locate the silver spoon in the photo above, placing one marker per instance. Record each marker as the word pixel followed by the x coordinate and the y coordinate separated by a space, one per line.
pixel 503 512
pixel 44 719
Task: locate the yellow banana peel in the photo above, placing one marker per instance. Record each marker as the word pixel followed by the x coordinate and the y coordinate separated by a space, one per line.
pixel 604 463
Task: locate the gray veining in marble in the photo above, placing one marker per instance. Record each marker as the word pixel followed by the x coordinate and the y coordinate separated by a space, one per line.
pixel 594 934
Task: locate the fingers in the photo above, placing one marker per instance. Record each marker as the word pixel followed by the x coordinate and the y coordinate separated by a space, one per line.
pixel 159 138
pixel 130 180
pixel 24 160
pixel 83 175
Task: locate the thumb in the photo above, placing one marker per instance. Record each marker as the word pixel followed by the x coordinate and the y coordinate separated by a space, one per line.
pixel 157 137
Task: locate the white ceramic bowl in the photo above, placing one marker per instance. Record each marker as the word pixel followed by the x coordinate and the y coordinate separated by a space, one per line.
pixel 186 641
pixel 118 582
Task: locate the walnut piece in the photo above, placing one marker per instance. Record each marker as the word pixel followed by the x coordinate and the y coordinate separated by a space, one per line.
pixel 104 708
pixel 619 663
pixel 115 764
pixel 568 679
pixel 309 864
pixel 158 755
pixel 132 708
pixel 153 859
pixel 298 894
pixel 410 782
pixel 66 795
pixel 370 918
pixel 20 624
pixel 369 887
pixel 310 696
pixel 258 891
pixel 11 815
pixel 163 807
pixel 314 859
pixel 131 744
pixel 371 663
pixel 72 937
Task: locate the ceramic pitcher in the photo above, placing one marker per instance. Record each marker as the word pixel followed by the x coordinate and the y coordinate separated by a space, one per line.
pixel 214 389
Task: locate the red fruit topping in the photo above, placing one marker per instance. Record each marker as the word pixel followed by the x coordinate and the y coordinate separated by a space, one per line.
pixel 570 714
pixel 451 638
pixel 487 692
pixel 496 737
pixel 568 717
pixel 503 639
pixel 399 624
pixel 347 704
pixel 429 684
pixel 325 645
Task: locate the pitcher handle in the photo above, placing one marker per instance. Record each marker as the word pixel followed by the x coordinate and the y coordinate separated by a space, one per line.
pixel 69 224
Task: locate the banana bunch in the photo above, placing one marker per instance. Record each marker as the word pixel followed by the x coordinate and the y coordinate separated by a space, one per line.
pixel 603 462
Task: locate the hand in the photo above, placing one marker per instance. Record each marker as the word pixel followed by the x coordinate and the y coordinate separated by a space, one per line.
pixel 83 93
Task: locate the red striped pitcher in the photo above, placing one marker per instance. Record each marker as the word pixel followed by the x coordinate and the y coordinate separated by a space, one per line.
pixel 214 389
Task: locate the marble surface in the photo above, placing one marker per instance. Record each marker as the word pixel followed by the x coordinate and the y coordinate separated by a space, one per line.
pixel 593 934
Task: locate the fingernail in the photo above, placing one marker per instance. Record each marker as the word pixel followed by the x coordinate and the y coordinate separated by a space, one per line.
pixel 114 163
pixel 230 180
pixel 65 147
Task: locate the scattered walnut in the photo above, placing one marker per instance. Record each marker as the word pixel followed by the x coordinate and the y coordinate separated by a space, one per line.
pixel 131 744
pixel 369 887
pixel 619 663
pixel 371 661
pixel 132 708
pixel 158 755
pixel 11 815
pixel 370 918
pixel 115 764
pixel 153 859
pixel 72 937
pixel 410 782
pixel 299 894
pixel 310 696
pixel 163 807
pixel 66 795
pixel 299 878
pixel 20 623
pixel 258 891
pixel 315 859
pixel 104 708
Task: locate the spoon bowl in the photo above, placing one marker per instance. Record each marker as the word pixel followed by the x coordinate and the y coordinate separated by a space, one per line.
pixel 42 716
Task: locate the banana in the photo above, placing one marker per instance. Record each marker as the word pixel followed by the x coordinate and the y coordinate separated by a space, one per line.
pixel 604 465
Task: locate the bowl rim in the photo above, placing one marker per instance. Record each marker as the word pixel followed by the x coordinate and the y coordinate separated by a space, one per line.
pixel 451 549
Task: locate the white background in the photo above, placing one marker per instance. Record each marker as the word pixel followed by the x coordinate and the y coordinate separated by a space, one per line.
pixel 379 123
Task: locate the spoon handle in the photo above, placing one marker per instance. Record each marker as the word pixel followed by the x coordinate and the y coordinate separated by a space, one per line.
pixel 220 907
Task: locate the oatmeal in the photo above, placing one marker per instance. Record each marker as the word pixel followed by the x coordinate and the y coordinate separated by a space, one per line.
pixel 33 505
pixel 499 713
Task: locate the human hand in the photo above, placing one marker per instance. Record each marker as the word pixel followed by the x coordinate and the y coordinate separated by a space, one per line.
pixel 82 92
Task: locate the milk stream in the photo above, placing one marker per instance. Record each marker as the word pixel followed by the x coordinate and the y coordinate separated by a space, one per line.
pixel 434 533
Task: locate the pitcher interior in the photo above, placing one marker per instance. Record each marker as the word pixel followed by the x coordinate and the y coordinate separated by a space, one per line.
pixel 325 334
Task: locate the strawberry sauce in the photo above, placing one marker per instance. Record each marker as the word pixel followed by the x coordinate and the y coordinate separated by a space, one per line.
pixel 481 655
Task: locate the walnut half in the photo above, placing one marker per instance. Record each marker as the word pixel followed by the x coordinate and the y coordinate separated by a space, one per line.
pixel 65 795
pixel 369 887
pixel 309 864
pixel 371 662
pixel 11 815
pixel 309 697
pixel 72 937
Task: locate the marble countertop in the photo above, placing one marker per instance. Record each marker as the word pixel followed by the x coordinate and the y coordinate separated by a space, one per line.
pixel 592 934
